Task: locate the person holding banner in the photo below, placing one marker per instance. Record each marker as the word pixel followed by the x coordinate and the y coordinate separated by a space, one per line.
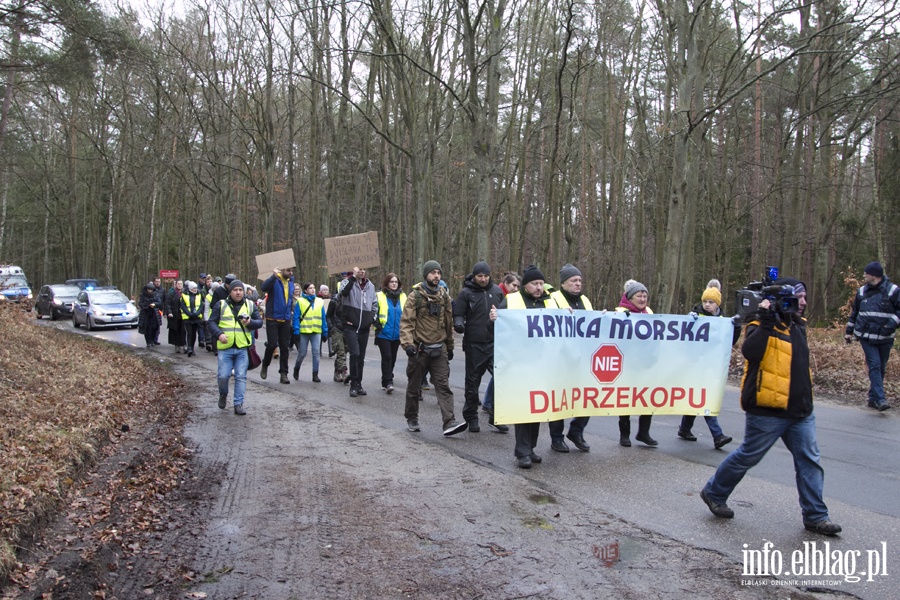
pixel 426 334
pixel 279 290
pixel 359 309
pixel 471 317
pixel 777 397
pixel 532 295
pixel 569 296
pixel 710 303
pixel 634 300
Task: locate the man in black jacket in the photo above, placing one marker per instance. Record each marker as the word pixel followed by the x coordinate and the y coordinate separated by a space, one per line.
pixel 776 395
pixel 471 317
pixel 874 322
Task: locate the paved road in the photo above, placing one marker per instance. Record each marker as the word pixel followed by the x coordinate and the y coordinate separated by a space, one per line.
pixel 657 488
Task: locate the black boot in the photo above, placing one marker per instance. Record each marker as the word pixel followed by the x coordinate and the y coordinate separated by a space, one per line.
pixel 315 376
pixel 296 373
pixel 625 431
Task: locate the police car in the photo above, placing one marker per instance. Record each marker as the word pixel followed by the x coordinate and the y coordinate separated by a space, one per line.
pixel 13 284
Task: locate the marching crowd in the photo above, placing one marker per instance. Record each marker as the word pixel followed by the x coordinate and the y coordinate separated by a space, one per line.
pixel 223 315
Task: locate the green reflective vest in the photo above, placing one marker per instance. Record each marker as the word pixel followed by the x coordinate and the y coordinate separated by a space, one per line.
pixel 563 303
pixel 236 334
pixel 192 302
pixel 383 306
pixel 516 301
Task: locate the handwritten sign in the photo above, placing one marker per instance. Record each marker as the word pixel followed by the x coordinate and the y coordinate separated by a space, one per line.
pixel 348 251
pixel 282 259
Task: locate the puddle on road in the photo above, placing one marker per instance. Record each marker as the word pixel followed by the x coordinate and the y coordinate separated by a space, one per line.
pixel 613 552
pixel 542 499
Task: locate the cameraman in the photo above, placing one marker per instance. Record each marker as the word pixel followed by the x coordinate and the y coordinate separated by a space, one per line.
pixel 776 394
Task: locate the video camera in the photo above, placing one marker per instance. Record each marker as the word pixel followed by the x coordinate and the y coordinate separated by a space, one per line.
pixel 781 297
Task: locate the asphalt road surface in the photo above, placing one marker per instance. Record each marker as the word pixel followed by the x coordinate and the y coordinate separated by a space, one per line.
pixel 657 488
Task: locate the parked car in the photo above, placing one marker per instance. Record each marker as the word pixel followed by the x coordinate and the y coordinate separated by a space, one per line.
pixel 13 284
pixel 84 284
pixel 56 301
pixel 104 307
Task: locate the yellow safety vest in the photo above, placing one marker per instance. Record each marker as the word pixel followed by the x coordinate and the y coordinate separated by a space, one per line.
pixel 236 335
pixel 383 306
pixel 561 301
pixel 312 321
pixel 516 301
pixel 186 298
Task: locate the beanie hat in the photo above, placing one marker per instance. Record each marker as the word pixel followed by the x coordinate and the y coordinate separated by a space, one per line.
pixel 237 283
pixel 481 268
pixel 713 292
pixel 214 285
pixel 531 273
pixel 632 287
pixel 799 286
pixel 567 272
pixel 192 286
pixel 230 278
pixel 875 269
pixel 430 266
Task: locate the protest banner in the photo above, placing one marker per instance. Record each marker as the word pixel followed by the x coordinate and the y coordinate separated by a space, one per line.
pixel 554 364
pixel 266 263
pixel 347 251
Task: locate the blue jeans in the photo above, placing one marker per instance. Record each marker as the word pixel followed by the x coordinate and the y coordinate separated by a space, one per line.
pixel 307 339
pixel 489 396
pixel 876 360
pixel 761 433
pixel 687 422
pixel 233 359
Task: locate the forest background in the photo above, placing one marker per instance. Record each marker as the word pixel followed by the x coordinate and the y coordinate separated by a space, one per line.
pixel 669 141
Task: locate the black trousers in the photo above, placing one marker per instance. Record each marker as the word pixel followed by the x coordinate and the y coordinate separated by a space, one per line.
pixel 356 342
pixel 191 329
pixel 526 438
pixel 479 359
pixel 278 335
pixel 389 350
pixel 643 424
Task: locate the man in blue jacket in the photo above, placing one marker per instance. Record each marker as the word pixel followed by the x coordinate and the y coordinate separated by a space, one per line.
pixel 279 290
pixel 874 322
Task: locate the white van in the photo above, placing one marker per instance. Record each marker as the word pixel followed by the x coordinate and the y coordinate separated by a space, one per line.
pixel 13 284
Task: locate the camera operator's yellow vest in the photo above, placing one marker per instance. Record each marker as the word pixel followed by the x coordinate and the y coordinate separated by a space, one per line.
pixel 773 379
pixel 236 335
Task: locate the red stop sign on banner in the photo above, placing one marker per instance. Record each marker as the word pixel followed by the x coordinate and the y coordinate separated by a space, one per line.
pixel 606 363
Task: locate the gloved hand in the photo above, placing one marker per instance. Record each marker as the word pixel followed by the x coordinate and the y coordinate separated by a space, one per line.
pixel 459 328
pixel 295 340
pixel 627 312
pixel 848 338
pixel 410 351
pixel 449 355
pixel 736 320
pixel 693 315
pixel 324 338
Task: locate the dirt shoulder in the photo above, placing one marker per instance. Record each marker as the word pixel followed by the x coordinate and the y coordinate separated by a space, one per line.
pixel 300 500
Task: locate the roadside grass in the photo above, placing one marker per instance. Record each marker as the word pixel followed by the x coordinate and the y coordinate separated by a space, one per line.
pixel 63 397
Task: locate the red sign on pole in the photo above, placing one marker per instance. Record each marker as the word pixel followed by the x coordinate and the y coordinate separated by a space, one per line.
pixel 606 363
pixel 168 274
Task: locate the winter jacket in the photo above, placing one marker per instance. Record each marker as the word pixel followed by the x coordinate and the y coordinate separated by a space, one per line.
pixel 698 308
pixel 472 311
pixel 279 298
pixel 876 313
pixel 419 325
pixel 390 309
pixel 358 306
pixel 777 380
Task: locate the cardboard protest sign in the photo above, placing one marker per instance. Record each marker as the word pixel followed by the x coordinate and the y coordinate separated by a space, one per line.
pixel 282 259
pixel 348 251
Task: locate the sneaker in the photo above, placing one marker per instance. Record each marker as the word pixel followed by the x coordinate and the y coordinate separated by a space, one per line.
pixel 825 527
pixel 412 425
pixel 646 439
pixel 455 428
pixel 559 446
pixel 361 392
pixel 883 406
pixel 389 389
pixel 687 435
pixel 239 410
pixel 723 511
pixel 222 399
pixel 524 462
pixel 338 377
pixel 721 440
pixel 353 392
pixel 474 427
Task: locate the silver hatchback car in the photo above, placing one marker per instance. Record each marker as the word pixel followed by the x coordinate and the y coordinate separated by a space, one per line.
pixel 104 307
